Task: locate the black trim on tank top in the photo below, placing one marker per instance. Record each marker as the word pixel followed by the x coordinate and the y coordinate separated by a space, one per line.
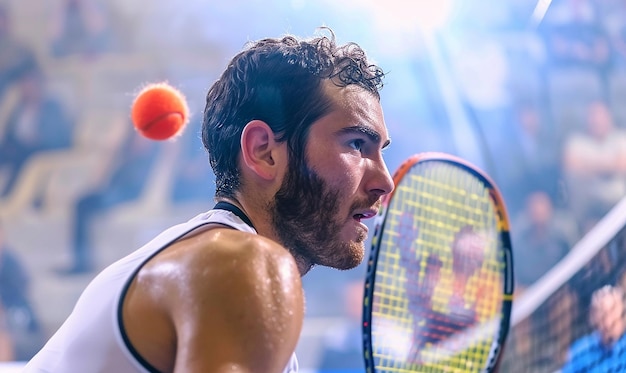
pixel 223 205
pixel 120 306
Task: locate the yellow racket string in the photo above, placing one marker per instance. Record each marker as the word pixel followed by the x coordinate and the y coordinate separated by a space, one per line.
pixel 434 202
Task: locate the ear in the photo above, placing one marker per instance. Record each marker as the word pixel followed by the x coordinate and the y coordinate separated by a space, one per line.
pixel 259 149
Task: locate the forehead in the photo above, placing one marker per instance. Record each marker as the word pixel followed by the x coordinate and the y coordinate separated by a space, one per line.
pixel 609 301
pixel 355 106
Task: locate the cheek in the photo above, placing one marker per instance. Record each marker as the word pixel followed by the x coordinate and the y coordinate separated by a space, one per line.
pixel 342 172
pixel 346 175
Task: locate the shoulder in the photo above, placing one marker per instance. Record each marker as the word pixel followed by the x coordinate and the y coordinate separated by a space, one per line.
pixel 221 263
pixel 242 287
pixel 233 248
pixel 586 342
pixel 619 136
pixel 577 140
pixel 621 343
pixel 223 252
pixel 582 347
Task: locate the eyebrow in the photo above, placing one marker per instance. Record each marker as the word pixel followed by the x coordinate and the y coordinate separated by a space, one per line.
pixel 368 131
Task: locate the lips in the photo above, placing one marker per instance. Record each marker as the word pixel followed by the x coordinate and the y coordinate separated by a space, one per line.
pixel 364 214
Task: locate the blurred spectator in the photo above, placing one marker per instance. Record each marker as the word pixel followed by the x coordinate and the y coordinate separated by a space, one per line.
pixel 343 345
pixel 81 27
pixel 38 122
pixel 15 57
pixel 576 38
pixel 603 350
pixel 532 160
pixel 22 322
pixel 126 177
pixel 595 166
pixel 542 237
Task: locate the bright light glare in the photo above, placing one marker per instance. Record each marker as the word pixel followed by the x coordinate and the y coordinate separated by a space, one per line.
pixel 426 15
pixel 408 16
pixel 436 13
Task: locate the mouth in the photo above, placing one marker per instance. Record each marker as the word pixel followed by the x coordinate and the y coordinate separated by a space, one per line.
pixel 365 214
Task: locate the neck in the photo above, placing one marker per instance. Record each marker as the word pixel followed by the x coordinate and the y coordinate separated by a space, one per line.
pixel 262 223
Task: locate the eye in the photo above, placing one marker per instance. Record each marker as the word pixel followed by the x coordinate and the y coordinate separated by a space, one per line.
pixel 357 144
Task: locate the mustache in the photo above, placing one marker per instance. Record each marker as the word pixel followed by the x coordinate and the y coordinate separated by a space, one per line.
pixel 370 203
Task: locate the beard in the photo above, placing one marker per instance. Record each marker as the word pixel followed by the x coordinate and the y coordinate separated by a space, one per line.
pixel 305 215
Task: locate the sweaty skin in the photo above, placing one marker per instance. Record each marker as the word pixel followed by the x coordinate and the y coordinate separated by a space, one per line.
pixel 183 290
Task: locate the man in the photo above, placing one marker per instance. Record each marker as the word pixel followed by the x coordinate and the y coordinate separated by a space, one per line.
pixel 544 237
pixel 594 165
pixel 295 132
pixel 604 350
pixel 37 123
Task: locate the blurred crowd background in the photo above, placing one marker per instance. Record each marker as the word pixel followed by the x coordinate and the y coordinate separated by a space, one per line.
pixel 539 108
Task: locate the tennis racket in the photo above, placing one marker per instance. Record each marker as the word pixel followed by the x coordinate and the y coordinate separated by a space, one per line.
pixel 439 285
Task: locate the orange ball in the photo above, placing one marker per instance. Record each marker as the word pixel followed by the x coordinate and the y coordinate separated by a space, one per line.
pixel 159 111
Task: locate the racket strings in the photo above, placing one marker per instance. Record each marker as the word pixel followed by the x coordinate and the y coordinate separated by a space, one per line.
pixel 417 314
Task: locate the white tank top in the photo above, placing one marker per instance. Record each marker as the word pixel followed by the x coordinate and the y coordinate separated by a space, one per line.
pixel 91 339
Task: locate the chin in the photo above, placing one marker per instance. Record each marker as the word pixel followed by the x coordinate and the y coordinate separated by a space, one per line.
pixel 347 265
pixel 354 252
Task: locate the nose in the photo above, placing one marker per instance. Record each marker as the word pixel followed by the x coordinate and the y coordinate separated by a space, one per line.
pixel 381 182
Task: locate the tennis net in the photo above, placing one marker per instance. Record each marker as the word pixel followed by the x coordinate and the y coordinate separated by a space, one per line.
pixel 551 322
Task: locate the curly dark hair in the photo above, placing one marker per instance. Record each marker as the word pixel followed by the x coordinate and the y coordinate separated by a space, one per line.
pixel 278 81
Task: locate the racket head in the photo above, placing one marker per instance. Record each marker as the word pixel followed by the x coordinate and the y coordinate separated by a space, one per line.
pixel 409 323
